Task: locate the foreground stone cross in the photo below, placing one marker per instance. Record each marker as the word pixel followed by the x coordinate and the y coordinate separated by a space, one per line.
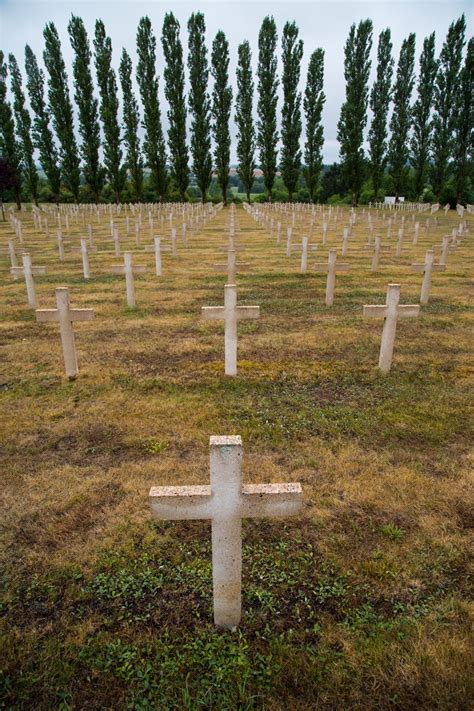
pixel 129 270
pixel 28 271
pixel 230 313
pixel 65 316
pixel 390 311
pixel 427 268
pixel 225 502
pixel 330 268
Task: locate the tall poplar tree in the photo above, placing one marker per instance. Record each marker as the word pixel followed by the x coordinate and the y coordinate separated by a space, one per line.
pixel 61 109
pixel 154 143
pixel 87 106
pixel 353 118
pixel 9 148
pixel 313 103
pixel 42 134
pixel 109 106
pixel 175 95
pixel 131 121
pixel 445 104
pixel 244 118
pixel 23 129
pixel 464 138
pixel 267 134
pixel 398 149
pixel 379 103
pixel 221 106
pixel 290 161
pixel 420 142
pixel 199 103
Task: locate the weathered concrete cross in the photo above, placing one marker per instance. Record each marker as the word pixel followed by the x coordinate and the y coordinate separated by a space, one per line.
pixel 226 502
pixel 231 266
pixel 65 316
pixel 230 313
pixel 427 268
pixel 28 271
pixel 129 270
pixel 330 268
pixel 390 311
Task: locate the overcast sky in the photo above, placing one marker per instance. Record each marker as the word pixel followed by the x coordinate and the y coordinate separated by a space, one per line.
pixel 321 24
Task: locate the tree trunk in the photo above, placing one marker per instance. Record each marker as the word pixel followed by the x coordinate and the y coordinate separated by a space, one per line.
pixel 354 198
pixel 248 196
pixel 18 198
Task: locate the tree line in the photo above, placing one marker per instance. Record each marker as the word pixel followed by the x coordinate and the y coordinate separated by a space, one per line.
pixel 426 143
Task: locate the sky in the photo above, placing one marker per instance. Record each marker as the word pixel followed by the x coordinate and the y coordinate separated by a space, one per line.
pixel 321 24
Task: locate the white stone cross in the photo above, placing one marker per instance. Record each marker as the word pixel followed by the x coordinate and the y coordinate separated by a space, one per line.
pixel 289 233
pixel 330 269
pixel 230 313
pixel 225 503
pixel 60 246
pixel 390 311
pixel 129 270
pixel 444 250
pixel 116 239
pixel 377 247
pixel 398 252
pixel 85 259
pixel 427 268
pixel 345 240
pixel 231 266
pixel 65 316
pixel 28 271
pixel 12 254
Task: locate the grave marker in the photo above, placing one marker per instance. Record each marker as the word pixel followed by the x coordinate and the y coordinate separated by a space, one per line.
pixel 129 270
pixel 330 269
pixel 27 270
pixel 427 268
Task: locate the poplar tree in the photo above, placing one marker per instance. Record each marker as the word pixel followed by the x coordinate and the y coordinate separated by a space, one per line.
pixel 199 103
pixel 379 103
pixel 61 109
pixel 398 150
pixel 244 118
pixel 463 145
pixel 221 106
pixel 154 143
pixel 313 103
pixel 87 106
pixel 353 118
pixel 175 95
pixel 42 134
pixel 116 172
pixel 131 120
pixel 23 129
pixel 420 142
pixel 445 103
pixel 267 134
pixel 290 162
pixel 9 148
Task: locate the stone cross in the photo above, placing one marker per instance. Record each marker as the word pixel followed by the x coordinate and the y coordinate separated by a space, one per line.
pixel 225 503
pixel 230 313
pixel 65 316
pixel 85 259
pixel 28 271
pixel 390 311
pixel 427 268
pixel 444 250
pixel 345 239
pixel 116 239
pixel 129 270
pixel 13 259
pixel 376 255
pixel 231 266
pixel 60 246
pixel 289 233
pixel 398 252
pixel 416 232
pixel 330 269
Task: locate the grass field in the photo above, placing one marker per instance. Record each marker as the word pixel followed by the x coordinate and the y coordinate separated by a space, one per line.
pixel 361 602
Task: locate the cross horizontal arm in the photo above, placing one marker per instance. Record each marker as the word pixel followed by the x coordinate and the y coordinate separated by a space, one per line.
pixel 213 313
pixel 81 314
pixel 244 313
pixel 321 267
pixel 418 267
pixel 378 311
pixel 117 269
pixel 266 500
pixel 44 315
pixel 407 310
pixel 177 503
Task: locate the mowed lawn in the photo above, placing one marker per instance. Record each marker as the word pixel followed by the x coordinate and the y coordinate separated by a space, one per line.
pixel 363 601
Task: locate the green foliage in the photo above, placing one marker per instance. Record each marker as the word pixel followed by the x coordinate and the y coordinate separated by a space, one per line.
pixel 42 135
pixel 154 143
pixel 353 118
pixel 464 123
pixel 221 107
pixel 379 103
pixel 199 103
pixel 420 142
pixel 333 182
pixel 445 103
pixel 393 532
pixel 244 118
pixel 314 100
pixel 61 108
pixel 9 148
pixel 267 134
pixel 23 127
pixel 400 123
pixel 131 121
pixel 175 95
pixel 109 107
pixel 290 161
pixel 87 106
